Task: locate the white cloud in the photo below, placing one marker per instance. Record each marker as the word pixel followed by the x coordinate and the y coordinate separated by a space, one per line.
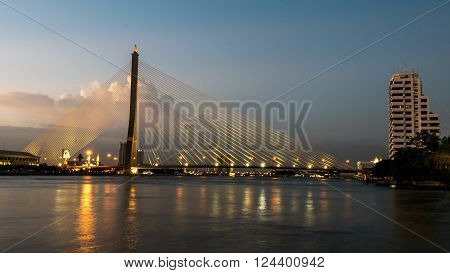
pixel 34 109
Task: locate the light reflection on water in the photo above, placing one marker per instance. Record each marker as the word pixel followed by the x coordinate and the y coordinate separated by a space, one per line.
pixel 230 195
pixel 275 201
pixel 203 200
pixel 215 206
pixel 247 201
pixel 132 226
pixel 85 228
pixel 219 214
pixel 262 205
pixel 309 209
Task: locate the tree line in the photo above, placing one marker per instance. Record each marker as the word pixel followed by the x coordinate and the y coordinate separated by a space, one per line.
pixel 427 160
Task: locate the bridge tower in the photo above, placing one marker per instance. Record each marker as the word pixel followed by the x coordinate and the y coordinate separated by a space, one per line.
pixel 131 149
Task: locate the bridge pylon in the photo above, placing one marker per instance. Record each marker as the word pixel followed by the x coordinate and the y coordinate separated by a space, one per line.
pixel 130 159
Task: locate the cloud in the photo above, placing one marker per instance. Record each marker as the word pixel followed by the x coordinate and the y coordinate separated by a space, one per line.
pixel 41 110
pixel 86 91
pixel 37 108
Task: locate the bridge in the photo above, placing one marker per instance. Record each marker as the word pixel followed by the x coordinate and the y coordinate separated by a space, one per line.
pixel 166 128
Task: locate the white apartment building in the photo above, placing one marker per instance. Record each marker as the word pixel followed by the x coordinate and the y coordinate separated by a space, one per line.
pixel 409 111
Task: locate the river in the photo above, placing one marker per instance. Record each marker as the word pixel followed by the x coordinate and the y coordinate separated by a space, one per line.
pixel 217 214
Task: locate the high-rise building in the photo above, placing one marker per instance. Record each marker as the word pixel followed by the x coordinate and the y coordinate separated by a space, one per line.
pixel 409 111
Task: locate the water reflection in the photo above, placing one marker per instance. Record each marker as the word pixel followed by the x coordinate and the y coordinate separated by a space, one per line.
pixel 215 209
pixel 262 205
pixel 85 226
pixel 131 227
pixel 323 202
pixel 348 206
pixel 309 209
pixel 230 194
pixel 247 202
pixel 64 199
pixel 275 201
pixel 160 216
pixel 203 210
pixel 295 200
pixel 179 201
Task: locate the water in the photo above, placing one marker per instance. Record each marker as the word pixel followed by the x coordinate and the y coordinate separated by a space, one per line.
pixel 216 214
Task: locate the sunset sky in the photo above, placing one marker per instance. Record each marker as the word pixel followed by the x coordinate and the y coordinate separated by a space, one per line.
pixel 231 50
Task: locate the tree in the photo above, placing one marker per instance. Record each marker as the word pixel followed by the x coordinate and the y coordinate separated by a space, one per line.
pixel 428 159
pixel 384 168
pixel 80 158
pixel 427 141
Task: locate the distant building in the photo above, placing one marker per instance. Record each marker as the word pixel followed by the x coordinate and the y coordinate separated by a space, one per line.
pixel 122 150
pixel 409 111
pixel 140 157
pixel 18 158
pixel 367 165
pixel 364 166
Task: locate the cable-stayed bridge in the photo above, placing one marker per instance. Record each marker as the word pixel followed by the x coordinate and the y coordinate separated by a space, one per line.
pixel 176 125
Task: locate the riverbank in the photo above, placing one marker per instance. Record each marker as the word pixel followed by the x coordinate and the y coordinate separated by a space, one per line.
pixel 414 185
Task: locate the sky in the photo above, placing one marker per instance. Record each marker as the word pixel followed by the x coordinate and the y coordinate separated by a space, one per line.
pixel 231 50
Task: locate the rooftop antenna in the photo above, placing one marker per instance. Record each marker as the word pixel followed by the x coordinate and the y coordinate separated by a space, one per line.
pixel 405 68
